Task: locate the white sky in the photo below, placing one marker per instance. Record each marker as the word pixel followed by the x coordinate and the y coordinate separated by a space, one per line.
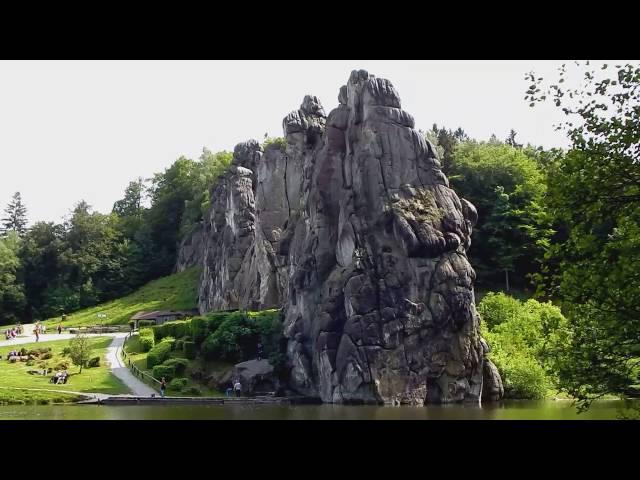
pixel 72 130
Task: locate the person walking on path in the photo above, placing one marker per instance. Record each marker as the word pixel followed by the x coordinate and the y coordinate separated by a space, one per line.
pixel 59 329
pixel 238 388
pixel 163 386
pixel 37 334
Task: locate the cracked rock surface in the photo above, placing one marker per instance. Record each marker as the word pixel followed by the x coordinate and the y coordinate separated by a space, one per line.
pixel 354 231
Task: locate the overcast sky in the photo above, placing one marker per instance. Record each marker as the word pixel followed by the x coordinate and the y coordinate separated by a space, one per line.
pixel 72 130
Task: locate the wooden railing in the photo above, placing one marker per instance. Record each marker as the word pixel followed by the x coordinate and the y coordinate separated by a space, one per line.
pixel 99 329
pixel 145 377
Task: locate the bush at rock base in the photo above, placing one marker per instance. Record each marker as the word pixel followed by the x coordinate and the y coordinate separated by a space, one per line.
pixel 524 339
pixel 94 362
pixel 237 337
pixel 193 390
pixel 178 384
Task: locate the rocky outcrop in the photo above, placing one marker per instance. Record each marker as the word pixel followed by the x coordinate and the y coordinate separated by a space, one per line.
pixel 191 249
pixel 353 229
pixel 256 377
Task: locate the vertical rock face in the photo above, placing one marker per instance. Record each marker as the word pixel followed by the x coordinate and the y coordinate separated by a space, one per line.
pixel 191 249
pixel 354 231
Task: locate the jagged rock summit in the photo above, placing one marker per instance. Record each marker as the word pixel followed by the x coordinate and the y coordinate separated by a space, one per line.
pixel 352 229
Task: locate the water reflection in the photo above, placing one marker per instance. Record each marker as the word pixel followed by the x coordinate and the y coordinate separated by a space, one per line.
pixel 508 410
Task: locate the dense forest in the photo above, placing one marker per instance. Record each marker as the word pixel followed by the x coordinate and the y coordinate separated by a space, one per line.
pixel 556 248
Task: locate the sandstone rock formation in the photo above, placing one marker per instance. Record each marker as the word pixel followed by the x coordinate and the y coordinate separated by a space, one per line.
pixel 354 231
pixel 191 250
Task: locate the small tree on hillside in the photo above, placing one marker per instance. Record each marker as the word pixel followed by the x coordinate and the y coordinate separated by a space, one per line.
pixel 16 219
pixel 80 350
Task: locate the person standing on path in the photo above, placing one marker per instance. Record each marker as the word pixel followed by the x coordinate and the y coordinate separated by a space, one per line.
pixel 238 388
pixel 59 329
pixel 163 386
pixel 35 331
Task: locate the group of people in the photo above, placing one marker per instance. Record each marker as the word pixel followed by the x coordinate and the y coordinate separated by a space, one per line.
pixel 13 332
pixel 13 353
pixel 236 387
pixel 60 377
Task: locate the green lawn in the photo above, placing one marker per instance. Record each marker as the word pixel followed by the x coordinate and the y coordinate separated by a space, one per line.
pixel 96 380
pixel 175 292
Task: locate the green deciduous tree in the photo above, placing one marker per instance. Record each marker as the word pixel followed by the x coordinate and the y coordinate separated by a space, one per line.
pixel 508 188
pixel 80 350
pixel 593 264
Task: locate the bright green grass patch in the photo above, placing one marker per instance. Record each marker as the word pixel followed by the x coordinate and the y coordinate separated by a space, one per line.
pixel 96 379
pixel 175 292
pixel 9 396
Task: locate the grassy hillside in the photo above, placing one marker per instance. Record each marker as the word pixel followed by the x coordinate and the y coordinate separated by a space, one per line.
pixel 175 292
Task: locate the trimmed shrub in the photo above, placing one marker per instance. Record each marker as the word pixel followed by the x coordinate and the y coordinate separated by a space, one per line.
pixel 189 349
pixel 180 364
pixel 66 351
pixel 146 323
pixel 178 384
pixel 146 339
pixel 46 356
pixel 23 352
pixel 165 371
pixel 177 329
pixel 159 353
pixel 60 366
pixel 94 362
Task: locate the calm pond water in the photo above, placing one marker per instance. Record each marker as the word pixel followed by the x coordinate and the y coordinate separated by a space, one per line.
pixel 508 410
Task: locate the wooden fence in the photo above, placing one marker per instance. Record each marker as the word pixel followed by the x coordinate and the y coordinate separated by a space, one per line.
pixel 145 377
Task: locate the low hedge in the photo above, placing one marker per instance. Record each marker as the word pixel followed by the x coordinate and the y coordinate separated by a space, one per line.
pixel 159 353
pixel 146 323
pixel 146 339
pixel 165 371
pixel 177 329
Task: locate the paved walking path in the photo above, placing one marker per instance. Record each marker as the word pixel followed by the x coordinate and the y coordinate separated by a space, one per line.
pixel 118 368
